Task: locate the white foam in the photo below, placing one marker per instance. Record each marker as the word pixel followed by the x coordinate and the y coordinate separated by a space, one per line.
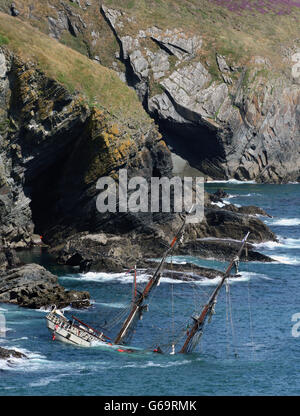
pixel 219 204
pixel 289 222
pixel 270 245
pixel 33 361
pixel 43 309
pixel 156 364
pixel 107 277
pixel 250 275
pixel 291 243
pixel 47 380
pixel 116 305
pixel 233 181
pixel 101 344
pixel 174 281
pixel 19 339
pixel 242 195
pixel 244 277
pixel 286 260
pixel 9 329
pixel 176 260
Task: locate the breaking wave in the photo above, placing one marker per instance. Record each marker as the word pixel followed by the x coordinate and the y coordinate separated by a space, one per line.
pixel 44 381
pixel 33 361
pixel 294 261
pixel 141 278
pixel 156 364
pixel 117 305
pixel 106 277
pixel 232 181
pixel 242 195
pixel 291 243
pixel 288 222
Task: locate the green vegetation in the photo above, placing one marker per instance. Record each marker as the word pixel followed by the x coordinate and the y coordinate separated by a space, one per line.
pixel 76 43
pixel 237 36
pixel 233 29
pixel 98 85
pixel 3 40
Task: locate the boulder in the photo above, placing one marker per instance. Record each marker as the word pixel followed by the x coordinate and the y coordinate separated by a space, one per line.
pixel 6 354
pixel 33 286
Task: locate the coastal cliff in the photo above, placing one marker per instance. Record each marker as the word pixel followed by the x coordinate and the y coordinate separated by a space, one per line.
pixel 221 81
pixel 66 121
pixel 56 144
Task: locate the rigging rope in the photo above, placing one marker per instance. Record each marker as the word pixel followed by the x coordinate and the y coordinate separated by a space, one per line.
pixel 172 302
pixel 231 321
pixel 249 307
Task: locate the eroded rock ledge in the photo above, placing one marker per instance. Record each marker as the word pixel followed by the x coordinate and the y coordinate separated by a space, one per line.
pixel 217 236
pixel 32 286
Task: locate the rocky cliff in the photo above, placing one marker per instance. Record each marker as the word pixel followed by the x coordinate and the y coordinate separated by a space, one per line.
pixel 222 82
pixel 236 120
pixel 66 121
pixel 55 144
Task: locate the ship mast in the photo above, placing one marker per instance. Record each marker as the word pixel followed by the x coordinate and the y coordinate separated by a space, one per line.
pixel 138 304
pixel 208 308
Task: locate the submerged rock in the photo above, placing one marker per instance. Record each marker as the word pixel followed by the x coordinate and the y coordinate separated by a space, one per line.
pixel 6 354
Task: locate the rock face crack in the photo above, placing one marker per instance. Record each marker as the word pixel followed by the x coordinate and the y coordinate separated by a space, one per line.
pixel 253 109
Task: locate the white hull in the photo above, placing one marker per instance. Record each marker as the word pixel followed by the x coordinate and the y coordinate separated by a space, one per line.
pixel 70 333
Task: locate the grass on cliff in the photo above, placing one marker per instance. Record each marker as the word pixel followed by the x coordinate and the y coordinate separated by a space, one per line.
pixel 237 29
pixel 100 86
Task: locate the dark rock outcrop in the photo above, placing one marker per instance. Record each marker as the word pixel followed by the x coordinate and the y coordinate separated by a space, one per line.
pixel 32 286
pixel 14 11
pixel 224 249
pixel 8 259
pixel 116 253
pixel 224 223
pixel 54 148
pixel 5 354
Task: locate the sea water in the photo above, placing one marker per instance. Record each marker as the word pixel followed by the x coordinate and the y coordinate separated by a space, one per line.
pixel 249 348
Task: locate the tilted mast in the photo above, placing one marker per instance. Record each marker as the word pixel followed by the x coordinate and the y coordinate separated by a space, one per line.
pixel 138 303
pixel 208 308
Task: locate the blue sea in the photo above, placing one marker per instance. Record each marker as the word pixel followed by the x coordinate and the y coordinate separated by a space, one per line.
pixel 251 346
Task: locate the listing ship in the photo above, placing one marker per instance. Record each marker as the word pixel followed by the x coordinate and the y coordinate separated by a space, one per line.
pixel 79 333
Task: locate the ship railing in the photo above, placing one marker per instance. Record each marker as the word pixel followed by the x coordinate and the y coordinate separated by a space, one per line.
pixel 73 328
